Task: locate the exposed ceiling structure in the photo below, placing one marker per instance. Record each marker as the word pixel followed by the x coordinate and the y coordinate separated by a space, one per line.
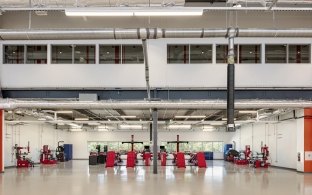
pixel 139 120
pixel 153 3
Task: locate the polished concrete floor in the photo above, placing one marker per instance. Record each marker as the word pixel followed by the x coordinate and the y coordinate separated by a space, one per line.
pixel 77 178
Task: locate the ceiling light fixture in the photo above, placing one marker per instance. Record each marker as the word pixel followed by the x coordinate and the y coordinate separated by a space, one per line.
pixel 225 119
pixel 64 112
pixel 78 129
pixel 194 116
pixel 247 112
pixel 124 126
pixel 144 11
pixel 180 126
pixel 102 128
pixel 93 123
pixel 169 13
pixel 81 119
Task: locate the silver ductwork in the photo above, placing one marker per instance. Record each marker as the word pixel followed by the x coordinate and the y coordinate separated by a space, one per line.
pixel 144 33
pixel 10 104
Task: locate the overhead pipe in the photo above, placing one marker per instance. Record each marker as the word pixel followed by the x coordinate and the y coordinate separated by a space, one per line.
pixel 143 33
pixel 10 104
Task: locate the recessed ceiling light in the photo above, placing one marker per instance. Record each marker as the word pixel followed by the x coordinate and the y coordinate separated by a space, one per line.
pixel 179 126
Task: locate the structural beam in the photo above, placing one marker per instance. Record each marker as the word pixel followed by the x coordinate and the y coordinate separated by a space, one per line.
pixel 155 135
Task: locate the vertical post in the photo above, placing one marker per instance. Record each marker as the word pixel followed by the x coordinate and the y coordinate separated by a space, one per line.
pixel 178 143
pixel 151 131
pixel 132 144
pixel 1 141
pixel 230 81
pixel 155 135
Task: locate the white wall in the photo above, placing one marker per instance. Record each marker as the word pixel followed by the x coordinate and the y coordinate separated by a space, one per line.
pixel 37 134
pixel 80 139
pixel 281 138
pixel 162 75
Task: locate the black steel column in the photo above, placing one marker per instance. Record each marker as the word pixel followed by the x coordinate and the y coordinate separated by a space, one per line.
pixel 155 135
pixel 230 81
pixel 151 131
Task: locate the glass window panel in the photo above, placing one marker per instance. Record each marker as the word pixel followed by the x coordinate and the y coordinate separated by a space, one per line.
pixel 13 54
pixel 222 52
pixel 197 146
pixel 92 146
pixel 132 54
pixel 217 146
pixel 124 147
pixel 36 54
pixel 201 54
pixel 184 147
pixel 249 54
pixel 110 54
pixel 113 146
pixel 178 54
pixel 275 54
pixel 84 54
pixel 299 54
pixel 62 54
pixel 207 146
pixel 138 147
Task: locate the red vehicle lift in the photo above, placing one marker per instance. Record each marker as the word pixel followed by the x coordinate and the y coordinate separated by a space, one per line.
pixel 46 156
pixel 175 156
pixel 131 154
pixel 21 159
pixel 245 161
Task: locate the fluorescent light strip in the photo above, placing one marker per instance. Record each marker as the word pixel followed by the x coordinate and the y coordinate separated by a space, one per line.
pixel 199 116
pixel 81 119
pixel 76 129
pixel 247 112
pixel 98 13
pixel 168 13
pixel 179 126
pixel 131 126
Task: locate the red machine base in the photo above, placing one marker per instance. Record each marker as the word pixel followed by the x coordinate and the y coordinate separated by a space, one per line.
pixel 48 162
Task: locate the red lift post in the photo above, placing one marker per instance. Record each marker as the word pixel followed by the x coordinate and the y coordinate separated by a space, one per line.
pixel 131 155
pixel 179 158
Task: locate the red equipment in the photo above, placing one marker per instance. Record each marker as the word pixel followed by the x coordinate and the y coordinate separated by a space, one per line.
pixel 180 160
pixel 262 162
pixel 245 161
pixel 21 159
pixel 131 159
pixel 178 142
pixel 46 156
pixel 110 159
pixel 201 161
pixel 147 158
pixel 163 158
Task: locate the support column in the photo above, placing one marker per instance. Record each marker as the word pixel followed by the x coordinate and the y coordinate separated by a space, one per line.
pixel 1 141
pixel 155 135
pixel 151 132
pixel 230 81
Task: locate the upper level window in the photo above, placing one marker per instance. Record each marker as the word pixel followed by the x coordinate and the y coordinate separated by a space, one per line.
pixel 62 54
pixel 275 53
pixel 299 54
pixel 69 54
pixel 14 54
pixel 36 54
pixel 222 52
pixel 178 54
pixel 132 54
pixel 200 54
pixel 110 54
pixel 249 54
pixel 84 54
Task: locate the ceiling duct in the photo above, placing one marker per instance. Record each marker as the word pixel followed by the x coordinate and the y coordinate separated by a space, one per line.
pixel 10 104
pixel 144 33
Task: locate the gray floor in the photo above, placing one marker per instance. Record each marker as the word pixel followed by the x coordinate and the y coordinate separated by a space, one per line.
pixel 77 178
